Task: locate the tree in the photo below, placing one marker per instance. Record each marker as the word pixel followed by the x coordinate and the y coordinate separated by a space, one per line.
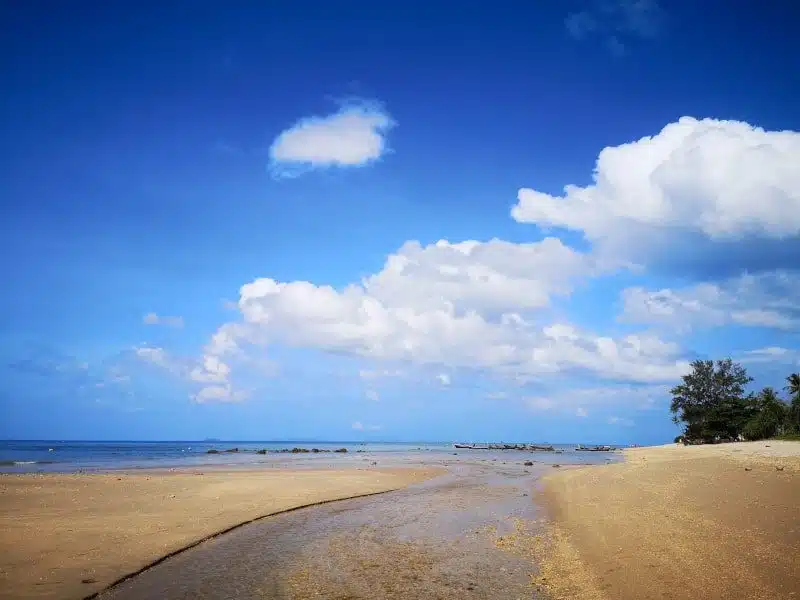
pixel 711 401
pixel 769 419
pixel 793 416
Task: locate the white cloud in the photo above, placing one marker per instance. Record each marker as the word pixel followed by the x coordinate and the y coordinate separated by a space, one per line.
pixel 154 319
pixel 219 393
pixel 472 304
pixel 767 300
pixel 372 395
pixel 354 136
pixel 370 374
pixel 581 412
pixel 359 426
pixel 443 378
pixel 540 403
pixel 723 179
pixel 772 354
pixel 156 356
pixel 497 395
pixel 620 421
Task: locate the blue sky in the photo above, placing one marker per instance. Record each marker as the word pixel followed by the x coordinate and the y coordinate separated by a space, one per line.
pixel 398 221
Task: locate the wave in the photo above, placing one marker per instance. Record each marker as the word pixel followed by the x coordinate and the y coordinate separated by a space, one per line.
pixel 24 463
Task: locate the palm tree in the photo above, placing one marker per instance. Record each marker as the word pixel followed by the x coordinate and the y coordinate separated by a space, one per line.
pixel 793 387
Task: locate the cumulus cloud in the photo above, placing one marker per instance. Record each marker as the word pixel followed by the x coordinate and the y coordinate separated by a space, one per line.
pixel 168 321
pixel 352 137
pixel 768 300
pixel 721 179
pixel 444 317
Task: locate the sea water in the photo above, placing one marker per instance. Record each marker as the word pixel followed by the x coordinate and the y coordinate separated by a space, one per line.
pixel 71 456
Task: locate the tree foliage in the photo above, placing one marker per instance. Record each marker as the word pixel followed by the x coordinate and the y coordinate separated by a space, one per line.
pixel 713 405
pixel 793 415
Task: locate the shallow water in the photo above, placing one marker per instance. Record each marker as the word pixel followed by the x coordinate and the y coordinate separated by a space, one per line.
pixel 432 540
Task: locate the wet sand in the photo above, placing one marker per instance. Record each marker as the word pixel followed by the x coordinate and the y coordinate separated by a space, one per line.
pixel 713 522
pixel 68 536
pixel 433 540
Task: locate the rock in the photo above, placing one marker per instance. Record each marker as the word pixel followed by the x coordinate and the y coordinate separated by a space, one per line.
pixel 89 580
pixel 263 451
pixel 341 450
pixel 524 494
pixel 231 450
pixel 556 466
pixel 455 453
pixel 374 462
pixel 748 469
pixel 212 451
pixel 528 463
pixel 299 450
pixel 779 468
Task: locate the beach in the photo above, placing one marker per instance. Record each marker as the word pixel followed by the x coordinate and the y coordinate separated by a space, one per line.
pixel 713 522
pixel 70 535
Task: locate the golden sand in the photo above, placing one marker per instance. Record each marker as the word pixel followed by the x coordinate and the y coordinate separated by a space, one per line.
pixel 711 522
pixel 68 536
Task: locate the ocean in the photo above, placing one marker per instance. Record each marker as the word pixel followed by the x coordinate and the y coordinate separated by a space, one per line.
pixel 71 456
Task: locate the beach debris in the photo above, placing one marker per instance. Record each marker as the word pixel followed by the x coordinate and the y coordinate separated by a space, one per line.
pixel 555 466
pixel 779 468
pixel 528 463
pixel 89 580
pixel 748 468
pixel 524 494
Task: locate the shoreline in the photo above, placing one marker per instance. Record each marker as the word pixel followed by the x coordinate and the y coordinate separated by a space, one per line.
pixel 718 522
pixel 76 535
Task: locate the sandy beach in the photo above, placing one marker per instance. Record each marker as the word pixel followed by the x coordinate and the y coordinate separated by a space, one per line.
pixel 713 522
pixel 68 536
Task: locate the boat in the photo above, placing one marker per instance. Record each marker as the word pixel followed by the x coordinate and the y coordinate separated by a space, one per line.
pixel 595 448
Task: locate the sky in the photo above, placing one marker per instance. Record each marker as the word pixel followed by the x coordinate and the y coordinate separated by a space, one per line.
pixel 434 221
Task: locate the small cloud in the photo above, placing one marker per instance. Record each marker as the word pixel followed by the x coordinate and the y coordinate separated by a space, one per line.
pixel 497 395
pixel 774 354
pixel 539 403
pixel 359 426
pixel 581 412
pixel 443 378
pixel 368 374
pixel 167 321
pixel 353 137
pixel 614 20
pixel 154 355
pixel 372 395
pixel 619 421
pixel 580 24
pixel 219 393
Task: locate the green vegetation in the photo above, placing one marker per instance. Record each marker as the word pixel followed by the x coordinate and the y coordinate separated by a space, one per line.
pixel 713 406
